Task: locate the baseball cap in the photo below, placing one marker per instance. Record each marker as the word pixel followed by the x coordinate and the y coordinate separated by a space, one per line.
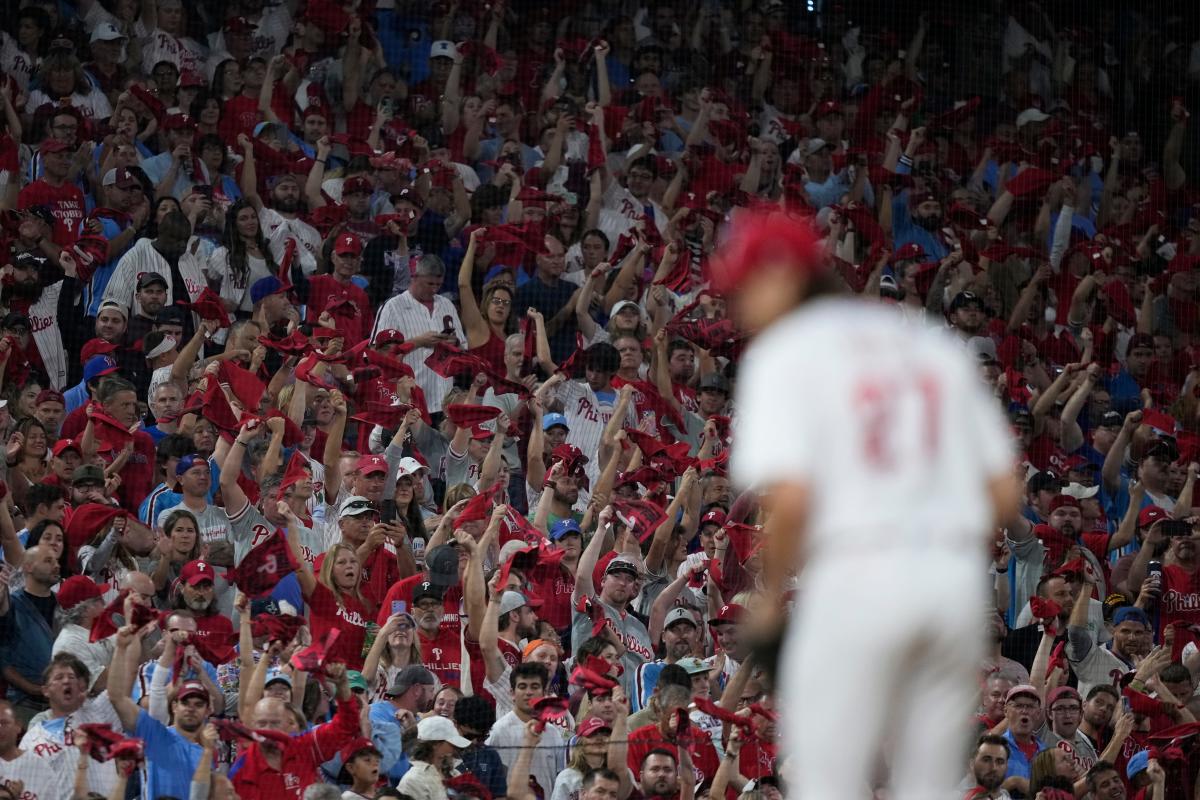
pixel 624 304
pixel 1059 693
pixel 729 614
pixel 678 615
pixel 149 279
pixel 178 122
pixel 564 527
pixel 276 676
pixel 827 108
pixel 357 184
pixel 348 244
pixel 106 32
pixel 715 382
pixel 238 25
pixel 189 461
pixel 983 348
pixel 714 517
pixel 552 419
pixel 1112 419
pixel 192 689
pixel 13 320
pixel 410 466
pixel 1080 492
pixel 88 473
pixel 389 336
pixel 368 465
pixel 511 601
pixel 815 145
pixel 121 178
pixel 1044 481
pixel 426 590
pixel 63 445
pixel 1150 515
pixel 190 79
pixel 1128 613
pixel 78 588
pixel 591 726
pixel 407 195
pixel 354 505
pixel 113 305
pixel 441 562
pixel 623 564
pixel 966 299
pixel 1138 763
pixel 412 675
pixel 1022 689
pixel 263 288
pixel 356 680
pixel 356 747
pixel 197 571
pixel 1063 501
pixel 49 396
pixel 1031 115
pixel 1140 340
pixel 443 49
pixel 99 365
pixel 439 729
pixel 694 666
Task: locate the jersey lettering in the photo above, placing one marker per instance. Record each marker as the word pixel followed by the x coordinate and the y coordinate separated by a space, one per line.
pixel 877 398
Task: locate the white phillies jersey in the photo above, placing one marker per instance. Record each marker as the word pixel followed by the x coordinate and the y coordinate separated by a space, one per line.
pixel 44 776
pixel 588 416
pixel 888 423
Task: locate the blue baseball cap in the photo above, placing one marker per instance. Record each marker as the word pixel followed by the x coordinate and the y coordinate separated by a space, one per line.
pixel 1128 613
pixel 276 675
pixel 1139 762
pixel 564 527
pixel 99 365
pixel 550 420
pixel 264 288
pixel 189 461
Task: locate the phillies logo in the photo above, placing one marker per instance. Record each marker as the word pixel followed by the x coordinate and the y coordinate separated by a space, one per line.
pixel 1178 602
pixel 37 324
pixel 437 653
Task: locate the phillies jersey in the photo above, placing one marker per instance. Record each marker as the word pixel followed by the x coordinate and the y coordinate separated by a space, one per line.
pixel 1180 597
pixel 587 415
pixel 871 401
pixel 442 654
pixel 44 776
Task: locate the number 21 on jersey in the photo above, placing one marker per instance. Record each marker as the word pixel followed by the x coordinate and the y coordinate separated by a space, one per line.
pixel 890 410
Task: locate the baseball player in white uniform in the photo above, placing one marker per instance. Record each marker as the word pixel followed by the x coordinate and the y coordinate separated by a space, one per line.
pixel 884 466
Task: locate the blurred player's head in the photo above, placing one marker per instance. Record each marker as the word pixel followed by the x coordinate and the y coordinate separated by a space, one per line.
pixel 770 265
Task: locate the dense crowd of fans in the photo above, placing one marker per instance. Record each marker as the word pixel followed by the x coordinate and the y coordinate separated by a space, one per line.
pixel 367 407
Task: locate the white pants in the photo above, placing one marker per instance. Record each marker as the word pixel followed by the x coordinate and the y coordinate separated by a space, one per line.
pixel 882 655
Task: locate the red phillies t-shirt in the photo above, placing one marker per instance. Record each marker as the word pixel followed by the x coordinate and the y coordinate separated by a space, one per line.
pixel 442 654
pixel 137 476
pixel 648 737
pixel 553 585
pixel 351 620
pixel 65 203
pixel 326 292
pixel 238 115
pixel 214 628
pixel 1180 597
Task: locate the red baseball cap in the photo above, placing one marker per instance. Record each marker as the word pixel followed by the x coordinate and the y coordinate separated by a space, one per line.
pixel 348 244
pixel 389 336
pixel 355 746
pixel 192 689
pixel 714 517
pixel 195 572
pixel 358 183
pixel 827 108
pixel 189 79
pixel 760 238
pixel 591 726
pixel 729 614
pixel 371 464
pixel 78 588
pixel 49 396
pixel 1150 515
pixel 178 122
pixel 62 445
pixel 1061 500
pixel 96 347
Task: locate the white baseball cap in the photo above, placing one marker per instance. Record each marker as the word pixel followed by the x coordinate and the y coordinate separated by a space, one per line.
pixel 410 466
pixel 1031 115
pixel 443 49
pixel 106 32
pixel 440 729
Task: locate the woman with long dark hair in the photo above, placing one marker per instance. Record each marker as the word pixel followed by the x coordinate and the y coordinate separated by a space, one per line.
pixel 242 258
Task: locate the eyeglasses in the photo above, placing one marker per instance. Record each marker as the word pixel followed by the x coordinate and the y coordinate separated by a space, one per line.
pixel 1066 709
pixel 1025 706
pixel 500 302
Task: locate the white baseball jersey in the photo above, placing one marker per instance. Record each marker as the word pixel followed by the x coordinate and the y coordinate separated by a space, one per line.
pixel 43 776
pixel 411 317
pixel 886 422
pixel 587 415
pixel 55 738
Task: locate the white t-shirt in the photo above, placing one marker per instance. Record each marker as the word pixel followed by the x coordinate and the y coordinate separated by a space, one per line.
pixel 887 424
pixel 278 229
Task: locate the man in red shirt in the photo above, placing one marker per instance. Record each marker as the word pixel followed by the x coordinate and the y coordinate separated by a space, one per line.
pixel 440 638
pixel 271 769
pixel 1180 581
pixel 666 733
pixel 345 301
pixel 197 580
pixel 118 399
pixel 64 199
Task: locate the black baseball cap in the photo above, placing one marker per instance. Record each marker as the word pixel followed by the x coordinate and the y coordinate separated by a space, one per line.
pixel 149 279
pixel 427 589
pixel 963 299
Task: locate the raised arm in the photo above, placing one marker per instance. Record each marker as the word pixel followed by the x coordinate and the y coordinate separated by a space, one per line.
pixel 477 329
pixel 316 175
pixel 665 532
pixel 333 447
pixel 600 542
pixel 1110 473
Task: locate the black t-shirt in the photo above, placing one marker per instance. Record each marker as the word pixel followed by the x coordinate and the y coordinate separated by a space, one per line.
pixel 45 605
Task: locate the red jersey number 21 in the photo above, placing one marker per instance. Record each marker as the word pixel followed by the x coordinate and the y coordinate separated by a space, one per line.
pixel 880 403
